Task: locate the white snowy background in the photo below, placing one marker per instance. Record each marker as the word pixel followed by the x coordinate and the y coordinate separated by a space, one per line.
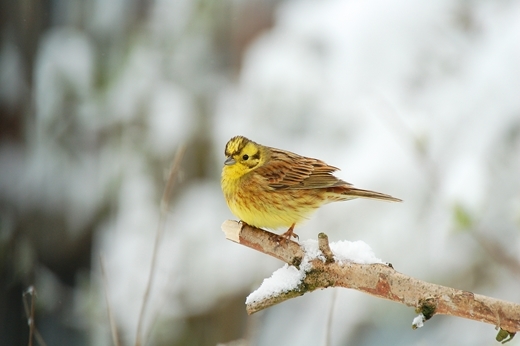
pixel 417 99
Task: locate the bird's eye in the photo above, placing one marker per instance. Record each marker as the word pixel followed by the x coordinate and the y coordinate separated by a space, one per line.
pixel 245 157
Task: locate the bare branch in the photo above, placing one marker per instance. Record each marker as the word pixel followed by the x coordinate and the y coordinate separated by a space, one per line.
pixel 111 319
pixel 375 279
pixel 29 312
pixel 165 202
pixel 266 242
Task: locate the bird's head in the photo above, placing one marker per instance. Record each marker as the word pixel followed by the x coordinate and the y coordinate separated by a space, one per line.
pixel 243 156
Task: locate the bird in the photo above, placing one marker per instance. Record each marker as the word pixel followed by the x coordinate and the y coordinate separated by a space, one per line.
pixel 273 188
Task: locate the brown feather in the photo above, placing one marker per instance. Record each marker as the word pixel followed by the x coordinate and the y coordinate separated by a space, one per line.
pixel 286 170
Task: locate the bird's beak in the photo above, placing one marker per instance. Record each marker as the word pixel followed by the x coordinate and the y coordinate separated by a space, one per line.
pixel 230 161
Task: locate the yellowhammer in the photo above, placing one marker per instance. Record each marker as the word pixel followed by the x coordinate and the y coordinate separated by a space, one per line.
pixel 273 188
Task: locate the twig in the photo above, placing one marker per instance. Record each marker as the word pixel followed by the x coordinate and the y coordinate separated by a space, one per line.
pixel 331 314
pixel 29 312
pixel 113 327
pixel 323 243
pixel 165 202
pixel 497 252
pixel 375 279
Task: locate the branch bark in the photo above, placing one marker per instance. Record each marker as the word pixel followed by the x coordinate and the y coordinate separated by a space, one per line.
pixel 377 279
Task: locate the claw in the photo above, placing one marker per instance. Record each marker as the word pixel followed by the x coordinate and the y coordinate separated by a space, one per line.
pixel 289 234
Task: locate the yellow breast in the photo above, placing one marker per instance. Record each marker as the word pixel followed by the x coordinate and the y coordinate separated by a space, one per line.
pixel 255 203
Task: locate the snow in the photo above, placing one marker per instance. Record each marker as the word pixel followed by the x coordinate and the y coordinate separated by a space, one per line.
pixel 284 279
pixel 418 321
pixel 353 251
pixel 289 277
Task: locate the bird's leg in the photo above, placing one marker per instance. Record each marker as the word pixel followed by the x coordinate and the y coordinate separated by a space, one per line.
pixel 289 234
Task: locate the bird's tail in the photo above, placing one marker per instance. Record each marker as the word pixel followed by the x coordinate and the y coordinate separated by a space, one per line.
pixel 349 192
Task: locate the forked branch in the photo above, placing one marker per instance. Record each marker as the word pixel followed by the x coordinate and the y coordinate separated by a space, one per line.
pixel 376 279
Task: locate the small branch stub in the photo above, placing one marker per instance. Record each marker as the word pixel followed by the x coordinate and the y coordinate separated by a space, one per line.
pixel 504 336
pixel 427 308
pixel 323 242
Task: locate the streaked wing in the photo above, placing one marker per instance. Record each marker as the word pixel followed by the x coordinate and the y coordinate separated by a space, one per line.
pixel 286 170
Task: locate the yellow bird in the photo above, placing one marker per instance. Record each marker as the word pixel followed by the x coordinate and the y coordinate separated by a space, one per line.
pixel 272 188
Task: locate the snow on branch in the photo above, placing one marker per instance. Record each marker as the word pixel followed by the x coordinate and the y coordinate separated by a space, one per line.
pixel 317 264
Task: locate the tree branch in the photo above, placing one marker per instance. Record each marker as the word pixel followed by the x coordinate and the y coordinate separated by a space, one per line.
pixel 376 279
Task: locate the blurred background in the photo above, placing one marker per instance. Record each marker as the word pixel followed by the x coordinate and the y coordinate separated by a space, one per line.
pixel 417 99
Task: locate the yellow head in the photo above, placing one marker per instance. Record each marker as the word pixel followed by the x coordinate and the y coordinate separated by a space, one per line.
pixel 243 156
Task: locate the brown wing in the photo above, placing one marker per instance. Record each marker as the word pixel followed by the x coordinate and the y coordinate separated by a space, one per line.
pixel 286 170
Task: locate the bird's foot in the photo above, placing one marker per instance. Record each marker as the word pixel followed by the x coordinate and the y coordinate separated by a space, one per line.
pixel 286 237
